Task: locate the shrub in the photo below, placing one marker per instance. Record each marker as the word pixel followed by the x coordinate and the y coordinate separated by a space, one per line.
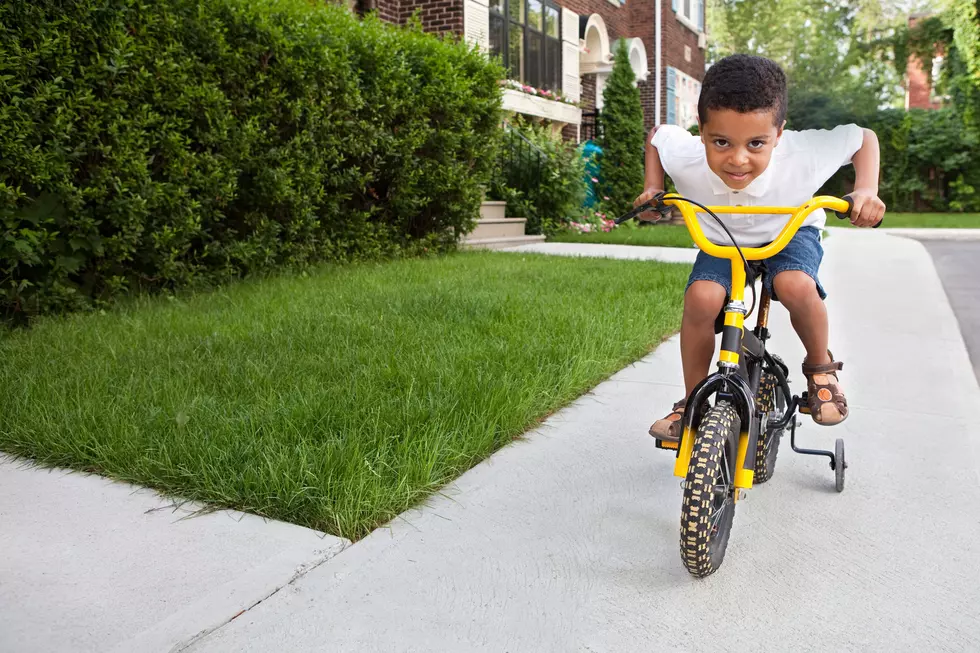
pixel 168 143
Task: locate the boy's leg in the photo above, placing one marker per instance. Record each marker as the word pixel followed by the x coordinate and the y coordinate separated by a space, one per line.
pixel 795 284
pixel 702 303
pixel 707 289
pixel 797 291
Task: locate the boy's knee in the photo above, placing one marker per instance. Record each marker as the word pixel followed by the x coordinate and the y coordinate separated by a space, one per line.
pixel 794 286
pixel 704 300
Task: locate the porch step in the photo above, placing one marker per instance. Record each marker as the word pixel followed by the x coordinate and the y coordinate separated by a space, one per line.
pixel 493 210
pixel 501 243
pixel 498 228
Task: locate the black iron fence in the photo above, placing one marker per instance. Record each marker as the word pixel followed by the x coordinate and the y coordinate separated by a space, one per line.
pixel 522 163
pixel 591 127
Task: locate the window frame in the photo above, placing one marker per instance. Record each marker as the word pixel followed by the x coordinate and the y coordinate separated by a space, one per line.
pixel 545 71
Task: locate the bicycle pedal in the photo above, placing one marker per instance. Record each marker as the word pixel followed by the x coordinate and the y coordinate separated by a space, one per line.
pixel 803 403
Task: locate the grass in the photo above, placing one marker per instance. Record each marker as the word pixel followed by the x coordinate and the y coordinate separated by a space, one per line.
pixel 334 401
pixel 668 235
pixel 920 221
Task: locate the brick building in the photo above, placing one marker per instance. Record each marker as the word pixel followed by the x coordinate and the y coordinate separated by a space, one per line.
pixel 567 46
pixel 919 92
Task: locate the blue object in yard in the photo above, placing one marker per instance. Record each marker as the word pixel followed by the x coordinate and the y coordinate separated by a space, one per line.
pixel 590 152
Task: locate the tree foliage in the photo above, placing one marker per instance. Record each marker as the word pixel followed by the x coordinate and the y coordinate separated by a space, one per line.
pixel 622 137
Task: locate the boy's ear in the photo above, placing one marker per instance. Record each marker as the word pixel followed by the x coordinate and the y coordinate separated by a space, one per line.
pixel 779 132
pixel 700 129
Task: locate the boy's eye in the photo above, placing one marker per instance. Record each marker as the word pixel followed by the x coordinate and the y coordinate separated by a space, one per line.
pixel 721 142
pixel 755 145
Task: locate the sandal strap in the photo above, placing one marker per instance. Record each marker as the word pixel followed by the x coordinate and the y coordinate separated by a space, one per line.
pixel 822 368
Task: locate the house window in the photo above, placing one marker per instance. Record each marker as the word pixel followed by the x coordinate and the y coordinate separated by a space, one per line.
pixel 937 69
pixel 682 98
pixel 526 34
pixel 692 11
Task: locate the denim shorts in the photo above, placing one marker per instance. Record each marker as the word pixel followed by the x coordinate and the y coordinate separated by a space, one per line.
pixel 804 253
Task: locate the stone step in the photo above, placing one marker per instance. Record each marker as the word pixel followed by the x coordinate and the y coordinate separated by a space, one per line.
pixel 493 210
pixel 498 228
pixel 502 243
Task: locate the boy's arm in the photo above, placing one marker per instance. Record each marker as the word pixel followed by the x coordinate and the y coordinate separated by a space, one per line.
pixel 653 175
pixel 868 208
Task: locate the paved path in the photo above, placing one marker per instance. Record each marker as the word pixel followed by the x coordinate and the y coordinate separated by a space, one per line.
pixel 633 252
pixel 87 564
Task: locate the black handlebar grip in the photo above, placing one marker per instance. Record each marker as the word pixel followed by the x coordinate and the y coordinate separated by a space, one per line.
pixel 847 214
pixel 850 205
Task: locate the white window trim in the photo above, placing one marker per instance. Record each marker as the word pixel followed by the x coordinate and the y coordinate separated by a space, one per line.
pixel 687 22
pixel 534 105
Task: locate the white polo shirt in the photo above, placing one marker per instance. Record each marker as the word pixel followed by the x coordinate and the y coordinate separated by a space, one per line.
pixel 801 163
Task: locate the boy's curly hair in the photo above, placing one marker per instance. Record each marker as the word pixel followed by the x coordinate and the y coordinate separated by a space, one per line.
pixel 744 83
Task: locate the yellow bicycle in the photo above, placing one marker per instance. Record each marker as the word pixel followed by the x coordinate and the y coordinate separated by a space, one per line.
pixel 735 418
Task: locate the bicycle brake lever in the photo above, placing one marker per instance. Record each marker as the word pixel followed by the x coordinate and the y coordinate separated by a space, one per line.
pixel 656 203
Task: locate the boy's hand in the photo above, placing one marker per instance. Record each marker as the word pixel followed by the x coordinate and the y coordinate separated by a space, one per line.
pixel 646 196
pixel 868 209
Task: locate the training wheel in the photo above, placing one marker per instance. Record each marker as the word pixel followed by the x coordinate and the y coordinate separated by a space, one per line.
pixel 839 464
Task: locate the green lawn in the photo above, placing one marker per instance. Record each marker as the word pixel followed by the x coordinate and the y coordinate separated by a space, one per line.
pixel 920 220
pixel 336 400
pixel 668 235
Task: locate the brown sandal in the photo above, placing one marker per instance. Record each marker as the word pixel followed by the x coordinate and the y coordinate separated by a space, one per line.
pixel 825 391
pixel 669 428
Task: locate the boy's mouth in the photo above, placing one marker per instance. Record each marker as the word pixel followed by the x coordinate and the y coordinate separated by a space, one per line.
pixel 737 176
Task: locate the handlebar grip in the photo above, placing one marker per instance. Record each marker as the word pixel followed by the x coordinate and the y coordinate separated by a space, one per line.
pixel 847 214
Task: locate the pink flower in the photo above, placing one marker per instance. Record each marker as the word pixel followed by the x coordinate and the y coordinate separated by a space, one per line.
pixel 605 198
pixel 596 181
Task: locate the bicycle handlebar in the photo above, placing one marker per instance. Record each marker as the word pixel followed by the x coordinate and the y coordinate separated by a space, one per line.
pixel 662 202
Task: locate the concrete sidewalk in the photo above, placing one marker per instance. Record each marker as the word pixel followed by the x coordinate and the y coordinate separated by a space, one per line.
pixel 934 234
pixel 568 539
pixel 87 564
pixel 629 252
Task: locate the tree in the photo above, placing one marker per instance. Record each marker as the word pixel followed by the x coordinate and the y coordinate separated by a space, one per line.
pixel 826 48
pixel 964 17
pixel 622 138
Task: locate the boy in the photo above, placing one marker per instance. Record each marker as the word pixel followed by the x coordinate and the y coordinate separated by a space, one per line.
pixel 744 157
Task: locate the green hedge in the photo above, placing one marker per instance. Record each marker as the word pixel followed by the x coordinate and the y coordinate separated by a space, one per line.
pixel 928 158
pixel 149 144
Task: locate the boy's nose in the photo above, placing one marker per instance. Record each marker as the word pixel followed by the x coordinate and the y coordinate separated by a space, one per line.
pixel 740 158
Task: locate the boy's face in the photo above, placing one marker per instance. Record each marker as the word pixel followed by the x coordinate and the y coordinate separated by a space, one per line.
pixel 739 145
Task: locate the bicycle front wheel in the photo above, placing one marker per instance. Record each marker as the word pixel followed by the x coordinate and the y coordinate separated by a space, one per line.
pixel 709 492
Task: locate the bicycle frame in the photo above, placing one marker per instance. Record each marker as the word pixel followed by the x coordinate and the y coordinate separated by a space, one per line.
pixel 726 382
